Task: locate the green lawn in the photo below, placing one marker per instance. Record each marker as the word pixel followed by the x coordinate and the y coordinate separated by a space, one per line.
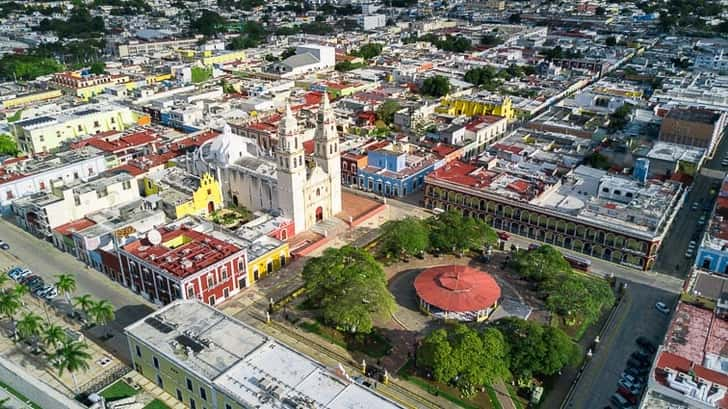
pixel 374 344
pixel 19 395
pixel 493 397
pixel 118 390
pixel 156 404
pixel 481 400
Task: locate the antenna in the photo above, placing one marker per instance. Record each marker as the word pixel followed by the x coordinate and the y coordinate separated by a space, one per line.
pixel 154 237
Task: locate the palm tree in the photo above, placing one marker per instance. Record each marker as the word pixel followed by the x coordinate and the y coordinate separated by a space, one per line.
pixel 9 305
pixel 21 290
pixel 3 279
pixel 72 357
pixel 5 404
pixel 66 284
pixel 84 302
pixel 54 336
pixel 29 328
pixel 102 313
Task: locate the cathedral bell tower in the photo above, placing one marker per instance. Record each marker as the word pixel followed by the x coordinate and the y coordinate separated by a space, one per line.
pixel 291 171
pixel 326 152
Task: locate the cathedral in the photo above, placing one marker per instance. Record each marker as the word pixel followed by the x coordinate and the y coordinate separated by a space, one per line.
pixel 305 190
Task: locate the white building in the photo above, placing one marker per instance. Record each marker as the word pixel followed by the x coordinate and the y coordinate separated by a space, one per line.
pixel 372 21
pixel 308 58
pixel 305 190
pixel 39 213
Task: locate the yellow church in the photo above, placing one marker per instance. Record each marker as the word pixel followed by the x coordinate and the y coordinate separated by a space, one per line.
pixel 182 194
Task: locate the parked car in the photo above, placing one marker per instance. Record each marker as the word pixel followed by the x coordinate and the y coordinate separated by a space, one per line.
pixel 619 401
pixel 17 273
pixel 35 284
pixel 4 246
pixel 641 356
pixel 633 363
pixel 689 253
pixel 41 292
pixel 638 373
pixel 662 307
pixel 695 206
pixel 692 244
pixel 27 278
pixel 630 395
pixel 51 294
pixel 646 344
pixel 503 236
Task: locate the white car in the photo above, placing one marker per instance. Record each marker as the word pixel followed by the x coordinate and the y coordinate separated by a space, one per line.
pixel 662 307
pixel 692 244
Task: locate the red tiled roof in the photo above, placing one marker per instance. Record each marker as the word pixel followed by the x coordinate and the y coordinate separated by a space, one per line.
pixel 508 148
pixel 519 186
pixel 670 360
pixel 74 226
pixel 443 150
pixel 200 252
pixel 457 288
pixel 309 146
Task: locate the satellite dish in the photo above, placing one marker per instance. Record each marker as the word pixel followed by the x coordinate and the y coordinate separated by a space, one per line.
pixel 154 237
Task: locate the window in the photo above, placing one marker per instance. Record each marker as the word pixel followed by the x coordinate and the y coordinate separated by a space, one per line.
pixel 191 292
pixel 227 406
pixel 224 273
pixel 203 393
pixel 9 194
pixel 113 120
pixel 209 191
pixel 193 404
pixel 156 362
pixel 189 384
pixel 126 185
pixel 179 395
pixel 209 281
pixel 90 171
pixel 138 351
pixel 80 128
pixel 226 292
pixel 96 124
pixel 75 175
pixel 77 200
pixel 211 300
pixel 159 381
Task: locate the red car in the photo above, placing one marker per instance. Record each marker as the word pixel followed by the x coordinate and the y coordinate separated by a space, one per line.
pixel 627 395
pixel 503 236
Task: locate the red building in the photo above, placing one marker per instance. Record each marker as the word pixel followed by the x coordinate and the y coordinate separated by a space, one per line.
pixel 183 264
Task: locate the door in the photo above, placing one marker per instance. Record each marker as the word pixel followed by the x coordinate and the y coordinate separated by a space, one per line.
pixel 242 282
pixel 319 214
pixel 210 207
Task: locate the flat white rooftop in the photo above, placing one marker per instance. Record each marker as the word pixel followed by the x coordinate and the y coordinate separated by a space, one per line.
pixel 245 364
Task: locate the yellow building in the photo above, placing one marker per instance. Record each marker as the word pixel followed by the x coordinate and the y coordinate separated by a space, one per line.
pixel 48 132
pixel 205 358
pixel 21 100
pixel 223 58
pixel 88 86
pixel 472 106
pixel 265 256
pixel 184 194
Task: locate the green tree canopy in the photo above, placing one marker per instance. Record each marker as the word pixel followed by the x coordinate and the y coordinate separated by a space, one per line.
pixel 98 67
pixel 27 67
pixel 387 109
pixel 491 40
pixel 536 349
pixel 436 86
pixel 576 297
pixel 451 231
pixel 456 44
pixel 201 74
pixel 79 24
pixel 540 264
pixel 409 236
pixel 368 51
pixel 475 359
pixel 8 145
pixel 208 23
pixel 350 287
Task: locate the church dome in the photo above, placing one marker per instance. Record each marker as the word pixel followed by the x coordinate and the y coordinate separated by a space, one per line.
pixel 228 148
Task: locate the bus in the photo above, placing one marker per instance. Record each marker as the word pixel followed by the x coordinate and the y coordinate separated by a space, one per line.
pixel 578 263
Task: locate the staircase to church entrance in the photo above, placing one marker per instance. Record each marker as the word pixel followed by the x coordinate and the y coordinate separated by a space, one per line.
pixel 330 227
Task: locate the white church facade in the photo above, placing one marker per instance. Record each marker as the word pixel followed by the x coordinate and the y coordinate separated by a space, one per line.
pixel 305 190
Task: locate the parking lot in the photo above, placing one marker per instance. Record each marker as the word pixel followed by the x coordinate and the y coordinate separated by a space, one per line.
pixel 637 316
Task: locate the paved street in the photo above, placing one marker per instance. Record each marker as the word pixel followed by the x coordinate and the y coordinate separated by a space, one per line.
pixel 636 317
pixel 46 261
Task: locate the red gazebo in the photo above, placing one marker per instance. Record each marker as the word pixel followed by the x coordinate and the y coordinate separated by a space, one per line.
pixel 457 292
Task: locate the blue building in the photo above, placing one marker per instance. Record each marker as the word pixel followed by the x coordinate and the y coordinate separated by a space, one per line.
pixel 713 249
pixel 393 172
